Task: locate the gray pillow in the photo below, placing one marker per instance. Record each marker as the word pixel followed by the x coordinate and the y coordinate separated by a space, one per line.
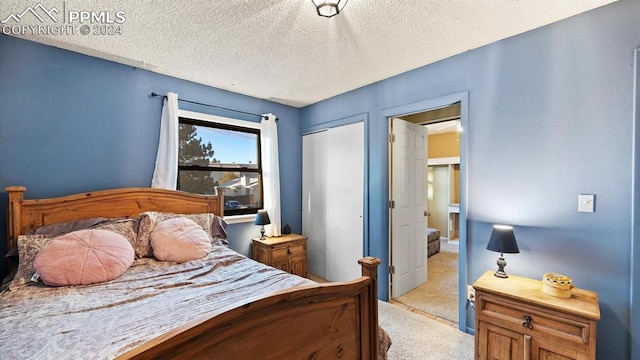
pixel 67 227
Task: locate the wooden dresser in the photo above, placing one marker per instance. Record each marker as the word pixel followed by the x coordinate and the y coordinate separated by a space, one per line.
pixel 515 319
pixel 287 252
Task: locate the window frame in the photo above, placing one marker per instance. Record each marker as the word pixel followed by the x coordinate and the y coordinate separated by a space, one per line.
pixel 224 123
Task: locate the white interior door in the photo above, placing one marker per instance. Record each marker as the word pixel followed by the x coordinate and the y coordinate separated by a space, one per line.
pixel 408 214
pixel 314 209
pixel 345 196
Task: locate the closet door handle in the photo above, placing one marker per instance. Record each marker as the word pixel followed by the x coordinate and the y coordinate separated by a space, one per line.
pixel 426 213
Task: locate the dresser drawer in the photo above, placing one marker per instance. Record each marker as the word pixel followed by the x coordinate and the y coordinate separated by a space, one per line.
pixel 285 252
pixel 534 321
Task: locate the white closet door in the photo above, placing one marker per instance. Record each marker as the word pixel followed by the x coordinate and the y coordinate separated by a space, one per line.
pixel 314 222
pixel 345 196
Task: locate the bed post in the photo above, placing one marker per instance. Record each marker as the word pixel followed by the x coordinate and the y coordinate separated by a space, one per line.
pixel 370 269
pixel 14 214
pixel 220 209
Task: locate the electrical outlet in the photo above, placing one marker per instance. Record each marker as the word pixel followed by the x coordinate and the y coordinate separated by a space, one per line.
pixel 471 293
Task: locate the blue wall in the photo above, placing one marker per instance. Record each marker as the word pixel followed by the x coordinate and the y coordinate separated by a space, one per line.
pixel 72 123
pixel 550 116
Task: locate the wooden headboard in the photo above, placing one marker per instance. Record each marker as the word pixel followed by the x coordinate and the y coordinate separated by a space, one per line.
pixel 25 215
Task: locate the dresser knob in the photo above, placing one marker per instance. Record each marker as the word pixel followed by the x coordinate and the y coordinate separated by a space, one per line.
pixel 527 322
pixel 288 251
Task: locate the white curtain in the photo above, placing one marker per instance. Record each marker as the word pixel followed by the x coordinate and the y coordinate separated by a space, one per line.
pixel 165 175
pixel 270 172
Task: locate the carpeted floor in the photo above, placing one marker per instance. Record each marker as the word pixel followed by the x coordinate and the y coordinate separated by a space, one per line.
pixel 439 295
pixel 416 337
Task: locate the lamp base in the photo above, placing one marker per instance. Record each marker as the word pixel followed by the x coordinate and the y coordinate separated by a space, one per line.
pixel 501 264
pixel 501 274
pixel 262 237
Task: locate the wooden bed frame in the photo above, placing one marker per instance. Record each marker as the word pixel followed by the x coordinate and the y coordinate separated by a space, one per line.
pixel 323 321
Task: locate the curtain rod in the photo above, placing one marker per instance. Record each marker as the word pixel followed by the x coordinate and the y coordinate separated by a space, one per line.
pixel 214 106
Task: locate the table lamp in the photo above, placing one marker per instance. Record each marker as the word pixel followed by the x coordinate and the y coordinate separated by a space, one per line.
pixel 262 219
pixel 502 240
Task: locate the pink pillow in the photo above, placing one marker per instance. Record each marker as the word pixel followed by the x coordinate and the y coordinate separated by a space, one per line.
pixel 180 240
pixel 84 257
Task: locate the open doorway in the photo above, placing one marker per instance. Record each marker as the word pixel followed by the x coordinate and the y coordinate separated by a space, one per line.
pixel 439 295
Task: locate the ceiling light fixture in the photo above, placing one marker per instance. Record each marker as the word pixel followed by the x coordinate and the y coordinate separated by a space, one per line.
pixel 329 8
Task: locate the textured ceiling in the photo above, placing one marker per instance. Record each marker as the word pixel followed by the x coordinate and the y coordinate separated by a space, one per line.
pixel 281 50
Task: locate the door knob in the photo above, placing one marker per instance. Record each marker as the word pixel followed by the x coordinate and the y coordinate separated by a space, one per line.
pixel 426 213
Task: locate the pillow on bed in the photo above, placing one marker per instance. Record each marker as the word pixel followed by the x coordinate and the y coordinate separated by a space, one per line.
pixel 212 224
pixel 28 247
pixel 180 240
pixel 127 227
pixel 83 257
pixel 67 227
pixel 219 229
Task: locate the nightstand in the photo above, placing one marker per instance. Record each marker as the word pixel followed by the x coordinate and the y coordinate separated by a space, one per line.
pixel 515 319
pixel 287 252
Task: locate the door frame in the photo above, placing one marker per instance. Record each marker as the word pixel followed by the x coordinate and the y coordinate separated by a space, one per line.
pixel 426 105
pixel 635 209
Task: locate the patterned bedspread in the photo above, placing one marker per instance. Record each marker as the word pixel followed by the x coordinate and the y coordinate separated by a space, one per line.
pixel 151 298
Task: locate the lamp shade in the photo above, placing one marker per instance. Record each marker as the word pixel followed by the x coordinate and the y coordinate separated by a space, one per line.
pixel 329 8
pixel 262 218
pixel 503 240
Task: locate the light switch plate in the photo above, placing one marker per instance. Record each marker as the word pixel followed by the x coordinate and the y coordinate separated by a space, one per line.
pixel 586 202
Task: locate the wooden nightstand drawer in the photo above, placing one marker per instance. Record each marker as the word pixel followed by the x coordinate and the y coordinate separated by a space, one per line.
pixel 519 317
pixel 285 252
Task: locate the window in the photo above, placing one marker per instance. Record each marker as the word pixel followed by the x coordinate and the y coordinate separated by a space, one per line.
pixel 219 155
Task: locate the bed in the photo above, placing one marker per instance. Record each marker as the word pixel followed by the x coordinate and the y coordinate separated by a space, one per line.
pixel 221 306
